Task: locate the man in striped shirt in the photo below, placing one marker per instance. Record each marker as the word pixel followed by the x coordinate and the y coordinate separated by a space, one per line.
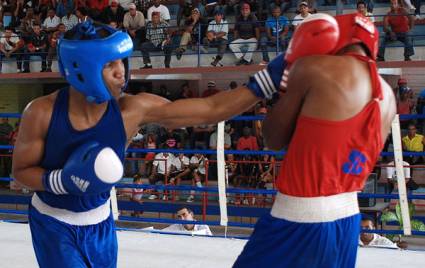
pixel 217 35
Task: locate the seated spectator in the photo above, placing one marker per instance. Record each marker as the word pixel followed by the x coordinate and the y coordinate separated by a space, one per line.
pixel 158 39
pixel 69 20
pixel 149 143
pixel 405 105
pixel 304 13
pixel 53 40
pixel 246 177
pixel 115 12
pixel 51 23
pixel 266 170
pixel 392 176
pixel 246 34
pixel 191 32
pixel 397 26
pixel 172 140
pixel 362 9
pixel 181 169
pixel 277 28
pixel 372 239
pixel 27 23
pixel 227 139
pixel 134 23
pixel 96 7
pixel 63 6
pixel 217 32
pixel 186 214
pixel 36 46
pixel 197 165
pixel 413 142
pixel 162 167
pixel 200 136
pixel 11 46
pixel 247 141
pixel 184 11
pixel 82 14
pixel 137 194
pixel 161 9
pixel 211 89
pixel 232 169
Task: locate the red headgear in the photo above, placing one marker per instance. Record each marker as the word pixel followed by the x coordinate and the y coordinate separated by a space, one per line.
pixel 356 28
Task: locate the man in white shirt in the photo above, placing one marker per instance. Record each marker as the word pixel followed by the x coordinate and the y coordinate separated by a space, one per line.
pixel 392 176
pixel 372 239
pixel 197 164
pixel 298 19
pixel 51 22
pixel 162 167
pixel 163 10
pixel 180 169
pixel 186 214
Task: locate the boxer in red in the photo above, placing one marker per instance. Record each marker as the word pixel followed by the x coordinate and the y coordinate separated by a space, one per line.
pixel 334 117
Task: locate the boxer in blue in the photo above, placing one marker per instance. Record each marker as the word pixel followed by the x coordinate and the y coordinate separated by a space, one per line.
pixel 71 144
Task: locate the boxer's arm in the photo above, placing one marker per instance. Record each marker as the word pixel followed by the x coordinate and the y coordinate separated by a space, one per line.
pixel 280 121
pixel 29 146
pixel 147 108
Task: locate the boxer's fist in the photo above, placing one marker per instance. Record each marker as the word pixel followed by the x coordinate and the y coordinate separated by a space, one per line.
pixel 91 169
pixel 267 81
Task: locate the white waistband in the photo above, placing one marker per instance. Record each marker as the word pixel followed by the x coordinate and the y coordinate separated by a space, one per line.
pixel 315 209
pixel 89 217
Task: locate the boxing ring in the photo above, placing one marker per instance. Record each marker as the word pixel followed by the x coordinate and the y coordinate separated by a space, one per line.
pixel 147 248
pixel 158 250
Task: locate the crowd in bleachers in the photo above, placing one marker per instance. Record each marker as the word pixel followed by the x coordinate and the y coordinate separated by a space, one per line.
pixel 31 28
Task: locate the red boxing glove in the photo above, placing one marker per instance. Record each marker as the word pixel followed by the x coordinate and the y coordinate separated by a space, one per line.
pixel 316 35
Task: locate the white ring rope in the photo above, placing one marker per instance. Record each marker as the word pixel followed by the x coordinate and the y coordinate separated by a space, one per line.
pixel 221 174
pixel 401 182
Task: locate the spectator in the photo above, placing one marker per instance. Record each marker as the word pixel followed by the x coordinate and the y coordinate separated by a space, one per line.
pixel 184 11
pixel 181 169
pixel 227 139
pixel 126 4
pixel 362 9
pixel 266 170
pixel 158 39
pixel 172 140
pixel 211 90
pixel 417 4
pixel 392 176
pixel 5 162
pixel 163 11
pixel 11 46
pixel 96 8
pixel 372 239
pixel 137 193
pixel 19 13
pixel 186 214
pixel 397 26
pixel 405 105
pixel 191 32
pixel 27 23
pixel 143 6
pixel 246 177
pixel 284 5
pixel 413 142
pixel 246 34
pixel 197 164
pixel 231 168
pixel 304 13
pixel 53 40
pixel 162 167
pixel 217 32
pixel 63 6
pixel 247 141
pixel 52 21
pixel 134 23
pixel 82 14
pixel 37 46
pixel 150 143
pixel 69 20
pixel 115 12
pixel 277 28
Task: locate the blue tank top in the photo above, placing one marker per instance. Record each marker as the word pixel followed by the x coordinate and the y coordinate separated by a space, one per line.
pixel 62 139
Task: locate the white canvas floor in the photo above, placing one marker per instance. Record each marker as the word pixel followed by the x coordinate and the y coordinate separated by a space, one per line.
pixel 140 249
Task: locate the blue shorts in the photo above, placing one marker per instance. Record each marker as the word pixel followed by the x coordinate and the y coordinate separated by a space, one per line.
pixel 277 242
pixel 58 244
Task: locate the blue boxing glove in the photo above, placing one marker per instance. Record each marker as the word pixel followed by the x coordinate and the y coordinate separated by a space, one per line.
pixel 267 81
pixel 91 169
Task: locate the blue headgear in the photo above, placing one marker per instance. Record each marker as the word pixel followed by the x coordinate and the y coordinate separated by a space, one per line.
pixel 81 61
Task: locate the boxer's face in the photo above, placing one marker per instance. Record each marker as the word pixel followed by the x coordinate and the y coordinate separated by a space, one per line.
pixel 114 76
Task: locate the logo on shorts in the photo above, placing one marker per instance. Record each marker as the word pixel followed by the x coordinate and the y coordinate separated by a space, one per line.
pixel 80 183
pixel 355 164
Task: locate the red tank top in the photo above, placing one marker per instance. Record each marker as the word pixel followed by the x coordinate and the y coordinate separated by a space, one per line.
pixel 331 157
